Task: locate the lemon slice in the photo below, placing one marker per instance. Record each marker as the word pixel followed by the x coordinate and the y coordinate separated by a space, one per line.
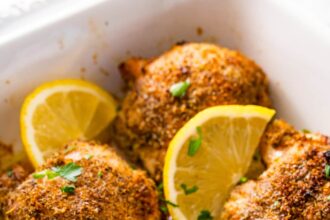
pixel 61 111
pixel 208 156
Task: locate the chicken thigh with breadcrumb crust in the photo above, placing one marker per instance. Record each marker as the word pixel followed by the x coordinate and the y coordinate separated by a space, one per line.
pixel 105 188
pixel 295 184
pixel 150 115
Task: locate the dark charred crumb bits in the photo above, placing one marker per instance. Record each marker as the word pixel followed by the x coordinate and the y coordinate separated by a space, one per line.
pixel 308 195
pixel 184 70
pixel 180 43
pixel 327 156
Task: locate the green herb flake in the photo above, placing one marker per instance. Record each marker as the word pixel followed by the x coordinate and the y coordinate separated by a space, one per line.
pixel 160 187
pixel 194 144
pixel 133 167
pixel 187 190
pixel 100 174
pixel 306 131
pixel 68 189
pixel 164 209
pixel 179 89
pixel 10 173
pixel 169 202
pixel 243 180
pixel 39 175
pixel 327 171
pixel 328 198
pixel 69 171
pixel 205 215
pixel 275 204
pixel 88 156
pixel 51 174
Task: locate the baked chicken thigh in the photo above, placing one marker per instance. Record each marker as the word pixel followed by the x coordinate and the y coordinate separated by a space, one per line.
pixel 151 113
pixel 85 181
pixel 296 184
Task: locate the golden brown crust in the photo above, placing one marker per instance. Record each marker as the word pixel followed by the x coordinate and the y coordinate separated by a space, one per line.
pixel 278 137
pixel 119 193
pixel 293 187
pixel 9 180
pixel 150 115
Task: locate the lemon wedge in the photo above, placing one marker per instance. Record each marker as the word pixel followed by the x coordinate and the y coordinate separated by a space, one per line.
pixel 61 111
pixel 208 156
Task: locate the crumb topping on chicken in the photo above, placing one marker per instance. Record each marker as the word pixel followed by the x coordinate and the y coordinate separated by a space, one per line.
pixel 105 188
pixel 151 115
pixel 295 184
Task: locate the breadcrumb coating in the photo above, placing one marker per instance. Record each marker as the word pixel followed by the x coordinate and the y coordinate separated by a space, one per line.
pixel 107 188
pixel 294 186
pixel 150 116
pixel 9 180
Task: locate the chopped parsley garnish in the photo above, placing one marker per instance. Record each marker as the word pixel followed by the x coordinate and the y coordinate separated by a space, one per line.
pixel 327 171
pixel 68 189
pixel 306 131
pixel 51 174
pixel 187 190
pixel 194 144
pixel 88 156
pixel 69 171
pixel 243 179
pixel 179 89
pixel 169 202
pixel 163 206
pixel 328 198
pixel 39 175
pixel 100 174
pixel 10 173
pixel 160 187
pixel 133 166
pixel 205 215
pixel 164 209
pixel 275 205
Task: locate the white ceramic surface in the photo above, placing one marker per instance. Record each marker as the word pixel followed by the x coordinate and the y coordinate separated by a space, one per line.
pixel 90 38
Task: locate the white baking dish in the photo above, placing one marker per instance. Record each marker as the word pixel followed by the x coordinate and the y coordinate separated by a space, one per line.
pixel 90 38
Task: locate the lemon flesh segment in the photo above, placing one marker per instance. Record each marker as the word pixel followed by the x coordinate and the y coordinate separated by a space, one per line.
pixel 62 111
pixel 229 137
